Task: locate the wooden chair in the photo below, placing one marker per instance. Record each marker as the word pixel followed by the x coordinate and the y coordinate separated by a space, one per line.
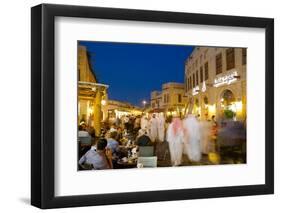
pixel 85 141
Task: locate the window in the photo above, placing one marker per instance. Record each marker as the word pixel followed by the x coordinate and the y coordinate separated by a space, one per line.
pixel 219 63
pixel 205 54
pixel 230 58
pixel 201 74
pixel 164 98
pixel 193 85
pixel 197 77
pixel 179 98
pixel 206 71
pixel 244 56
pixel 79 74
pixel 168 98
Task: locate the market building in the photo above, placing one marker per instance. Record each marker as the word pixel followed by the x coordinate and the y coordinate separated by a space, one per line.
pixel 215 82
pixel 92 95
pixel 171 100
pixel 120 108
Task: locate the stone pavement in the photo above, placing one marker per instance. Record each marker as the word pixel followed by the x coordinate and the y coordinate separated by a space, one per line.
pixel 226 157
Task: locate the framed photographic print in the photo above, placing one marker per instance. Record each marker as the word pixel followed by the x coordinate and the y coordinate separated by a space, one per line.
pixel 140 106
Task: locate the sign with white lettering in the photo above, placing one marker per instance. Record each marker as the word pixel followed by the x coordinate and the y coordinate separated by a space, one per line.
pixel 227 79
pixel 203 87
pixel 195 90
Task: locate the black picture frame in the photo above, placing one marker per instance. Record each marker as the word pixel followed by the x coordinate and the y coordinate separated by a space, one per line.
pixel 43 102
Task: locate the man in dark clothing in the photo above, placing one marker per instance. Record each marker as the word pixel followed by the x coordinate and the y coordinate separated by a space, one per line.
pixel 143 139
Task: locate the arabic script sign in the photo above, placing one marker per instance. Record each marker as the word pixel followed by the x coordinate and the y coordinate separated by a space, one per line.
pixel 195 90
pixel 227 79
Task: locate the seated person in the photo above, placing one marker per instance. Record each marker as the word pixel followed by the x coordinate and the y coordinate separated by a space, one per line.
pixel 119 134
pixel 98 156
pixel 112 143
pixel 113 128
pixel 143 139
pixel 83 131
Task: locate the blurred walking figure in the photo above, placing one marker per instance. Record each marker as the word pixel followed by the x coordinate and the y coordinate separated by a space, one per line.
pixel 161 127
pixel 214 134
pixel 153 128
pixel 205 129
pixel 192 138
pixel 144 123
pixel 175 138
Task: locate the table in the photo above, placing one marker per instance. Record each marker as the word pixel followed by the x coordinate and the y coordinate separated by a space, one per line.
pixel 131 163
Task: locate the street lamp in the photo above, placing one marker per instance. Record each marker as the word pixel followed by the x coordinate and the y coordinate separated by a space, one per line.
pixel 144 103
pixel 103 102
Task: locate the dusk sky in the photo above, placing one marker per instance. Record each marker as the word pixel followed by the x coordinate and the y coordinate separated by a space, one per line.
pixel 132 71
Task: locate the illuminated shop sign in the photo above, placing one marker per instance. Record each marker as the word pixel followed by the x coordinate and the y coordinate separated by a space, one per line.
pixel 195 90
pixel 203 87
pixel 227 79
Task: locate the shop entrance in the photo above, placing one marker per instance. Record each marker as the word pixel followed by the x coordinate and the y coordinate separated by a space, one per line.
pixel 228 104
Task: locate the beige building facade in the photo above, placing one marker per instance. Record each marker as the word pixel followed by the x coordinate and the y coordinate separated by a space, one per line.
pixel 215 82
pixel 171 100
pixel 92 96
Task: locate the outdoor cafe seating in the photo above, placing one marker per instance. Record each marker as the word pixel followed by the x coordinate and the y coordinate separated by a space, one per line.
pixel 147 162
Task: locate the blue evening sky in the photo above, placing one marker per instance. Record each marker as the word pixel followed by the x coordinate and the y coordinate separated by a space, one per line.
pixel 132 71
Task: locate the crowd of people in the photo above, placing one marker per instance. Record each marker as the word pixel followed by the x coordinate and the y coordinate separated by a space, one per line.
pixel 188 136
pixel 191 137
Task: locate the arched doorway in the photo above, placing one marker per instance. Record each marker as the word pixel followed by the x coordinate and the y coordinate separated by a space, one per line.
pixel 227 103
pixel 206 107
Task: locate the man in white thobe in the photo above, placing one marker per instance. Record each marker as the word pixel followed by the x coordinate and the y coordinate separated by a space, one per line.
pixel 153 133
pixel 161 128
pixel 192 138
pixel 175 138
pixel 144 123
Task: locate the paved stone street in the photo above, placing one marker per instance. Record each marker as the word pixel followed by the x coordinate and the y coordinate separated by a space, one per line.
pixel 226 156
